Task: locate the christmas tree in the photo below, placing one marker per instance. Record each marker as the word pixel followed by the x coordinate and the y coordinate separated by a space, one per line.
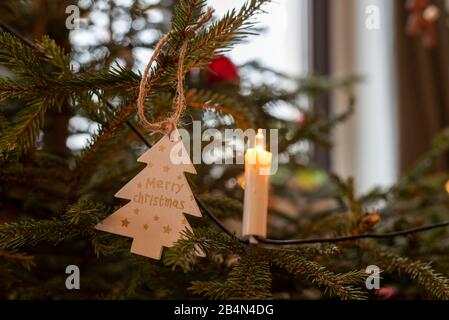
pixel 322 234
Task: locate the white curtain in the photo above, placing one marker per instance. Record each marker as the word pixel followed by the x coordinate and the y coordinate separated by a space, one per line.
pixel 367 146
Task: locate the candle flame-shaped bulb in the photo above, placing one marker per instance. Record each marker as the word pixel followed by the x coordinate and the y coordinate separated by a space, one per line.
pixel 257 174
pixel 260 140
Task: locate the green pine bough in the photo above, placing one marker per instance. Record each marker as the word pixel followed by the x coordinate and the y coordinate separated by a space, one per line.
pixel 50 202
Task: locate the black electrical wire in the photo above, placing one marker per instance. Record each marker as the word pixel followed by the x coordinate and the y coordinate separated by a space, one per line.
pixel 354 237
pixel 10 30
pixel 217 221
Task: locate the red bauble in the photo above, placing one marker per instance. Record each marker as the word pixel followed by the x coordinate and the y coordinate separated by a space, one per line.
pixel 386 293
pixel 222 69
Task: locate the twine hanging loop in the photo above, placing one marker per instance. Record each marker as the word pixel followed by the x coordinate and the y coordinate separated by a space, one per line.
pixel 169 124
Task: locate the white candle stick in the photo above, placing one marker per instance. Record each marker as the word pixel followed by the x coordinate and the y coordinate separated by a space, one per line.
pixel 257 170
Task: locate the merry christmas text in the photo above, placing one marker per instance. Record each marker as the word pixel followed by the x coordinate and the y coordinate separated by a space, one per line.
pixel 158 201
pixel 154 183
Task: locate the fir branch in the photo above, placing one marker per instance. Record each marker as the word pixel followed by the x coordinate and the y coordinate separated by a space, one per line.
pixel 86 161
pixel 67 83
pixel 25 260
pixel 312 252
pixel 206 44
pixel 4 124
pixel 440 145
pixel 124 79
pixel 226 32
pixel 24 128
pixel 433 282
pixel 31 232
pixel 211 239
pixel 184 253
pixel 108 177
pixel 11 89
pixel 49 179
pixel 85 212
pixel 186 13
pixel 204 99
pixel 42 168
pixel 115 78
pixel 250 278
pixel 107 244
pixel 345 285
pixel 20 58
pixel 76 222
pixel 54 54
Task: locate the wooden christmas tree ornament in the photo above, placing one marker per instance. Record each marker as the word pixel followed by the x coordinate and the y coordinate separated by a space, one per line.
pixel 159 196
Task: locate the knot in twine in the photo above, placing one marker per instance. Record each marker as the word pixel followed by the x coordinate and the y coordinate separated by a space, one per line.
pixel 169 124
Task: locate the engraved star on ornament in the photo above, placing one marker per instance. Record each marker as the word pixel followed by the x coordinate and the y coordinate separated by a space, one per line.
pixel 167 229
pixel 125 223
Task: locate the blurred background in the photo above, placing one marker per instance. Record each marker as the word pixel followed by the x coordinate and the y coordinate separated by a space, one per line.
pixel 401 101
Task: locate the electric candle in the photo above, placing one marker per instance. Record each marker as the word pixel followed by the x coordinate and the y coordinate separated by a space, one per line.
pixel 257 171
